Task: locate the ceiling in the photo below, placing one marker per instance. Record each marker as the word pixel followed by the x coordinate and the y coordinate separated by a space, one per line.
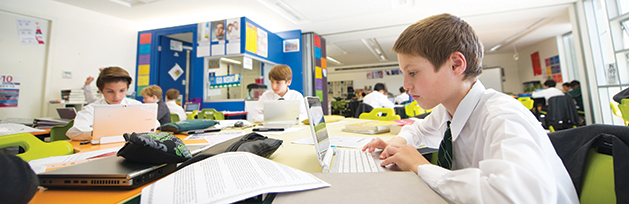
pixel 343 23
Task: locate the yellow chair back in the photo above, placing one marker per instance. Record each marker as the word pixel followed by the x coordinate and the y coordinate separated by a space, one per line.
pixel 598 179
pixel 624 109
pixel 174 117
pixel 211 114
pixel 386 114
pixel 527 102
pixel 192 115
pixel 34 148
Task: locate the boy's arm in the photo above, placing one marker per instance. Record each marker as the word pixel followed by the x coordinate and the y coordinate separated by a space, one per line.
pixel 82 127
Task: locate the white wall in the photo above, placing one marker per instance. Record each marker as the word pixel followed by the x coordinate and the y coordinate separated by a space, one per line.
pixel 512 83
pixel 392 82
pixel 80 41
pixel 547 48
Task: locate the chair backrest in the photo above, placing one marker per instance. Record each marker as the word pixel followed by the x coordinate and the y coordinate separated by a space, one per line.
pixel 562 112
pixel 174 117
pixel 624 108
pixel 362 108
pixel 58 132
pixel 192 115
pixel 34 148
pixel 598 179
pixel 527 102
pixel 217 115
pixel 386 114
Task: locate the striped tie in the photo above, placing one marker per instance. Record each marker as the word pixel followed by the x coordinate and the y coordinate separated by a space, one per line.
pixel 444 158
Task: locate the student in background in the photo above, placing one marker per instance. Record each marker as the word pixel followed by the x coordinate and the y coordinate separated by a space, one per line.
pixel 113 83
pixel 565 87
pixel 280 76
pixel 153 94
pixel 19 182
pixel 403 98
pixel 575 93
pixel 491 148
pixel 377 98
pixel 548 92
pixel 171 101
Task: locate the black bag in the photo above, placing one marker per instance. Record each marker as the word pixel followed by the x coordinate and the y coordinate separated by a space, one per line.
pixel 253 142
pixel 186 125
pixel 154 148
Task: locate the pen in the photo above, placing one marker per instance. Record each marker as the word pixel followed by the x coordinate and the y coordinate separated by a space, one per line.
pixel 84 143
pixel 267 129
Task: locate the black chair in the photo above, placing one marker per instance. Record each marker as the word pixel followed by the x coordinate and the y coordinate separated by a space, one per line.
pixel 362 108
pixel 561 114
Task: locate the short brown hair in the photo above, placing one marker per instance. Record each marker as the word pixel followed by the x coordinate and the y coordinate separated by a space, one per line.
pixel 112 74
pixel 437 37
pixel 172 94
pixel 152 90
pixel 281 72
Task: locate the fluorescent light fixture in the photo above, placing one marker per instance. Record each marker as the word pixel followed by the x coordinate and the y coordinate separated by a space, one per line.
pixel 131 3
pixel 231 61
pixel 517 35
pixel 373 46
pixel 285 11
pixel 333 60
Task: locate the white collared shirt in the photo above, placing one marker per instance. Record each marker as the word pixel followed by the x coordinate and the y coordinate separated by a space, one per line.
pixel 501 153
pixel 269 95
pixel 402 98
pixel 547 93
pixel 176 109
pixel 377 100
pixel 82 128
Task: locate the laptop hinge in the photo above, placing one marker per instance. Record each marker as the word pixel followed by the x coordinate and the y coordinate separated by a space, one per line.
pixel 327 160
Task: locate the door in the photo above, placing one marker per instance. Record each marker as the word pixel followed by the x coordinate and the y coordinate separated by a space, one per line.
pixel 172 65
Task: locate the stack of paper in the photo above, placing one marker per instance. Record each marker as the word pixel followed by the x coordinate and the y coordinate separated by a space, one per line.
pixel 371 127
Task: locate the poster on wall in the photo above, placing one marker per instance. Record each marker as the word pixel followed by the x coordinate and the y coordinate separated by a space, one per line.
pixel 233 36
pixel 291 45
pixel 175 72
pixel 251 41
pixel 218 30
pixel 263 43
pixel 225 81
pixel 537 67
pixel 203 38
pixel 9 90
pixel 30 31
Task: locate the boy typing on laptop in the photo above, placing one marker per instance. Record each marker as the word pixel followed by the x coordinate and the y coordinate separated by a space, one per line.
pixel 113 83
pixel 280 76
pixel 491 148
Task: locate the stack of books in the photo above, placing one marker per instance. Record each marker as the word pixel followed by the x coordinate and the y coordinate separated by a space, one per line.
pixel 73 95
pixel 47 123
pixel 371 127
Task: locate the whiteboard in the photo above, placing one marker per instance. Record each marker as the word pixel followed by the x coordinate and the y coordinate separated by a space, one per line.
pixel 492 78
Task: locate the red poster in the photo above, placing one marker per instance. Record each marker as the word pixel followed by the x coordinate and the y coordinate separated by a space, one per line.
pixel 537 67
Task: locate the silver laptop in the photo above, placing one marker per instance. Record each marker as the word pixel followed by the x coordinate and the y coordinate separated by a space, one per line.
pixel 115 120
pixel 281 113
pixel 109 173
pixel 66 113
pixel 346 160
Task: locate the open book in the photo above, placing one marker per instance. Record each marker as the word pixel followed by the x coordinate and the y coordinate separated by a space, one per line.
pixel 227 178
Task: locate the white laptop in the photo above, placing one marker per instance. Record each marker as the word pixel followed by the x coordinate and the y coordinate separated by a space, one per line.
pixel 281 113
pixel 346 160
pixel 112 121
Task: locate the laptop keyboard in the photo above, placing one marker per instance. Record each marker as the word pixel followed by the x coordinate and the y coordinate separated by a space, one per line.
pixel 354 161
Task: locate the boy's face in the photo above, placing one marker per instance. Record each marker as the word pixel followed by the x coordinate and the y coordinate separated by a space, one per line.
pixel 427 87
pixel 149 99
pixel 280 87
pixel 114 92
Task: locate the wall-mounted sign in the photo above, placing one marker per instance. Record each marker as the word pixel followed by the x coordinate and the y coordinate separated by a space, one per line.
pixel 9 90
pixel 226 81
pixel 212 64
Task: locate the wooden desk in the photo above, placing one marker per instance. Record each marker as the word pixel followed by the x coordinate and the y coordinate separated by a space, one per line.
pixel 298 156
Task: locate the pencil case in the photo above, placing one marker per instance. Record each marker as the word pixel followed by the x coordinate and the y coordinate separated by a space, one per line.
pixel 154 148
pixel 186 125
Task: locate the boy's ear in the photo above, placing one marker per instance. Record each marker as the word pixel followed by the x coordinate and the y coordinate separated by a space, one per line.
pixel 459 64
pixel 288 82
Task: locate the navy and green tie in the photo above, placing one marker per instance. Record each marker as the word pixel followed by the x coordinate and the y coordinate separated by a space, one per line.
pixel 444 158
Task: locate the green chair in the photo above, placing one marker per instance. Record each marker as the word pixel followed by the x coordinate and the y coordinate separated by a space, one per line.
pixel 386 114
pixel 192 115
pixel 527 102
pixel 211 114
pixel 34 148
pixel 174 117
pixel 614 107
pixel 598 179
pixel 58 132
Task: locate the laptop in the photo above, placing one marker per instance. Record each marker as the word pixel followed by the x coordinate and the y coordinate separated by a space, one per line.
pixel 346 160
pixel 110 172
pixel 114 120
pixel 281 113
pixel 66 113
pixel 191 107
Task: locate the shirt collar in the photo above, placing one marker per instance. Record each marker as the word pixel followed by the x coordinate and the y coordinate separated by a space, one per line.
pixel 464 110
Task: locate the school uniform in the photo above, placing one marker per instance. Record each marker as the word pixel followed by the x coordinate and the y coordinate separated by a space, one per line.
pixel 269 95
pixel 163 113
pixel 176 109
pixel 501 154
pixel 547 93
pixel 377 100
pixel 82 128
pixel 402 98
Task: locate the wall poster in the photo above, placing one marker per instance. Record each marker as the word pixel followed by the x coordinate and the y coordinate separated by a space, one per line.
pixel 9 90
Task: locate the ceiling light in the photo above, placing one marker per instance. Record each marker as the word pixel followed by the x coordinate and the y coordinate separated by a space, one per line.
pixel 373 46
pixel 231 61
pixel 285 11
pixel 517 35
pixel 131 3
pixel 333 60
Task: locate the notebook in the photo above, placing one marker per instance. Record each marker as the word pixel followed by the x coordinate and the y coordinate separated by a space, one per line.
pixel 281 113
pixel 109 173
pixel 66 113
pixel 115 120
pixel 325 152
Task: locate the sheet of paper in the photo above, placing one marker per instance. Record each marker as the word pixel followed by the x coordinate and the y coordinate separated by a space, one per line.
pixel 40 165
pixel 287 130
pixel 12 128
pixel 227 178
pixel 349 142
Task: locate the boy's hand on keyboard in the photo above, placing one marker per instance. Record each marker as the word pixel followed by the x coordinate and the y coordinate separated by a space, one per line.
pixel 404 156
pixel 376 143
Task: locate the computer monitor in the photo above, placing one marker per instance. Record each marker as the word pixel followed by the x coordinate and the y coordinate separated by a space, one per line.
pixel 192 107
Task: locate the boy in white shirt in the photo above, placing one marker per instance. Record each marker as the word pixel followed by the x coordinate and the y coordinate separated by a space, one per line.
pixel 378 97
pixel 113 83
pixel 171 101
pixel 403 98
pixel 281 77
pixel 491 148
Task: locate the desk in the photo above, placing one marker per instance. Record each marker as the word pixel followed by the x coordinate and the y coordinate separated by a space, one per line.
pixel 298 156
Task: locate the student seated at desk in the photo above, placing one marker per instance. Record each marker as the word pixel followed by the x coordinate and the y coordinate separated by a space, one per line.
pixel 280 76
pixel 378 98
pixel 491 148
pixel 153 94
pixel 113 83
pixel 171 101
pixel 547 93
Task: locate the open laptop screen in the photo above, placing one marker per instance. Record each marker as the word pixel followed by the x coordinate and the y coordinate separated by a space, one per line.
pixel 192 106
pixel 318 127
pixel 281 111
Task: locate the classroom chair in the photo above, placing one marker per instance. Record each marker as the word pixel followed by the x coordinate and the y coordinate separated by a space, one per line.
pixel 614 107
pixel 362 108
pixel 34 148
pixel 386 114
pixel 174 117
pixel 192 115
pixel 58 132
pixel 211 114
pixel 624 108
pixel 527 102
pixel 561 114
pixel 598 179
